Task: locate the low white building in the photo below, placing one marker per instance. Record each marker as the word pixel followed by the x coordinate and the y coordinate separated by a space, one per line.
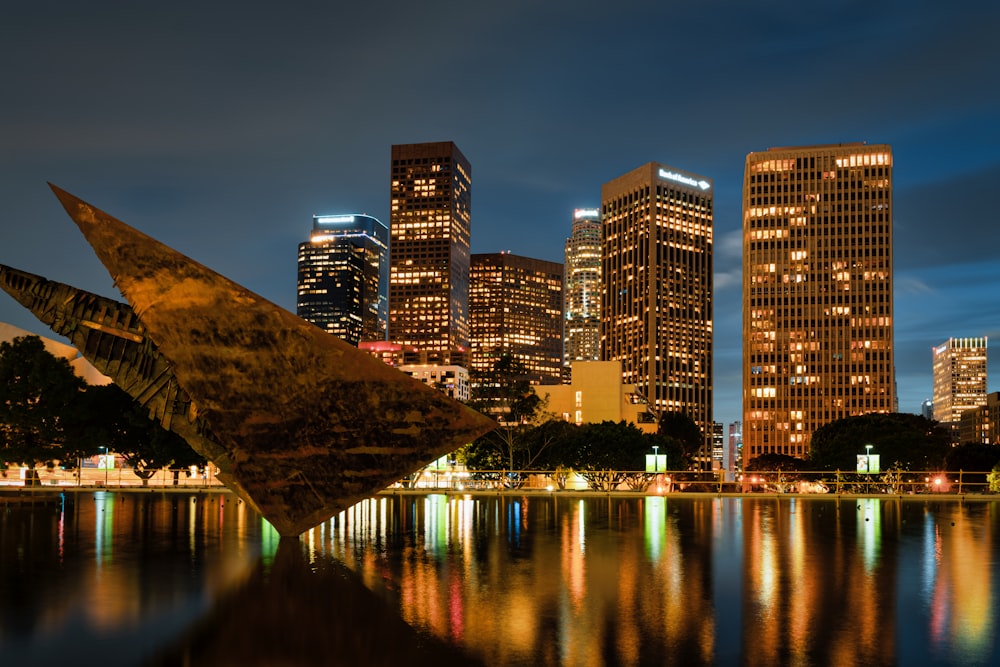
pixel 452 380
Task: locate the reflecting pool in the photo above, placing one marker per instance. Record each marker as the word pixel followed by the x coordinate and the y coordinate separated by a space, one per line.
pixel 160 579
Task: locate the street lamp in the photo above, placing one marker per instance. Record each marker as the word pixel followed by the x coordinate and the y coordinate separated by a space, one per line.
pixel 655 460
pixel 104 464
pixel 868 458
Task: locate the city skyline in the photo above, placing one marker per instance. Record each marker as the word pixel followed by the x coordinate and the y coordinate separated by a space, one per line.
pixel 219 132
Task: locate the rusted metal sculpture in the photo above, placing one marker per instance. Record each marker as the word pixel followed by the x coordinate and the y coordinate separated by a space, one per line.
pixel 300 424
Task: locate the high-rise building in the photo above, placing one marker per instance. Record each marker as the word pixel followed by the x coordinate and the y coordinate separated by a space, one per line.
pixel 430 225
pixel 515 306
pixel 656 303
pixel 582 290
pixel 817 292
pixel 959 377
pixel 343 277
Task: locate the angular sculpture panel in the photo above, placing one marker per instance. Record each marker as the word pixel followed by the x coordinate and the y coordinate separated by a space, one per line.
pixel 300 424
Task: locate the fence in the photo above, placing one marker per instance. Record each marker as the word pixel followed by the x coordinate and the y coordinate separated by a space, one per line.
pixel 458 478
pixel 118 477
pixel 890 482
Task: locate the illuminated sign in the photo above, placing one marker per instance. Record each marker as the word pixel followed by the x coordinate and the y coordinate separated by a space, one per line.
pixel 686 180
pixel 586 213
pixel 333 219
pixel 868 464
pixel 656 462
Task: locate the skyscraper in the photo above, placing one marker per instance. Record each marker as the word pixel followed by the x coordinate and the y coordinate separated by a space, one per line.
pixel 430 225
pixel 959 377
pixel 515 306
pixel 817 292
pixel 343 277
pixel 582 290
pixel 656 305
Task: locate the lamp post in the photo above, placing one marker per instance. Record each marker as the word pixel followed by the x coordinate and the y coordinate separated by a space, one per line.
pixel 104 464
pixel 655 460
pixel 868 467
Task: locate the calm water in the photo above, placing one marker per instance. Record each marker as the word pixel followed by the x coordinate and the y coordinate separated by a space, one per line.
pixel 155 579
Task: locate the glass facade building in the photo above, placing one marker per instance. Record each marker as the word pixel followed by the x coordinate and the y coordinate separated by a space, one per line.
pixel 817 292
pixel 582 290
pixel 343 277
pixel 430 226
pixel 656 298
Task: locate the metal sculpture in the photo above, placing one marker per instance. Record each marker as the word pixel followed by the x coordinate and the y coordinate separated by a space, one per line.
pixel 300 424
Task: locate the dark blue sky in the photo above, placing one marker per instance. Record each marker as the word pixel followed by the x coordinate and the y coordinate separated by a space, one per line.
pixel 222 131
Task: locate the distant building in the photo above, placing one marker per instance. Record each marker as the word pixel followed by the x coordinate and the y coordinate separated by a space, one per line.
pixel 980 425
pixel 817 292
pixel 515 308
pixel 596 394
pixel 451 380
pixel 391 354
pixel 656 305
pixel 718 446
pixel 733 455
pixel 343 277
pixel 430 224
pixel 927 409
pixel 959 377
pixel 582 290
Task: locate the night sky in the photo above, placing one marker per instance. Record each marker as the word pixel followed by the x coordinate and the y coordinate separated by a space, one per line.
pixel 222 131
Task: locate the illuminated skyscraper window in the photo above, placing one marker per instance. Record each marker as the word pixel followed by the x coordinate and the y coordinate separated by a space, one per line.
pixel 515 304
pixel 430 225
pixel 656 305
pixel 343 277
pixel 817 292
pixel 959 377
pixel 582 290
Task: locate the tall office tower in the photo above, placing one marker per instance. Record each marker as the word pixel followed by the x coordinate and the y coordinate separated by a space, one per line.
pixel 430 225
pixel 582 290
pixel 656 299
pixel 817 292
pixel 515 306
pixel 959 377
pixel 343 281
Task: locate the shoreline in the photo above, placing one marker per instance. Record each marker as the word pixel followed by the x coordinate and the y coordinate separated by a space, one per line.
pixel 14 492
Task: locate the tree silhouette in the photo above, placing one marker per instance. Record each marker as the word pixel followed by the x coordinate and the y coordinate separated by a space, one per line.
pixel 910 441
pixel 38 391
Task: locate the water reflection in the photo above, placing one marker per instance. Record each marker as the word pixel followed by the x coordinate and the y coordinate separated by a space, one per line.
pixel 158 580
pixel 161 579
pixel 658 580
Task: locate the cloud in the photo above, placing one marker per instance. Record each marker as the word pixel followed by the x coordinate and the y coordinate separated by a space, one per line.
pixel 728 279
pixel 910 285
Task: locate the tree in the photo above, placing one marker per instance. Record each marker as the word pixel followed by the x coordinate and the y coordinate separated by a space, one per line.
pixel 606 454
pixel 772 461
pixel 504 393
pixel 909 442
pixel 973 457
pixel 681 427
pixel 108 417
pixel 37 391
